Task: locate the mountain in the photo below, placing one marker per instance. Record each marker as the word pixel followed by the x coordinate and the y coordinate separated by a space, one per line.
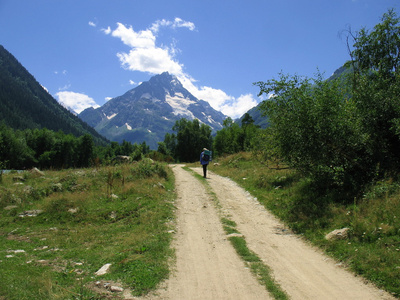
pixel 24 103
pixel 257 116
pixel 149 111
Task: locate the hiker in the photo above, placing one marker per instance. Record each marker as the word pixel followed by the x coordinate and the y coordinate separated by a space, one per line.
pixel 205 158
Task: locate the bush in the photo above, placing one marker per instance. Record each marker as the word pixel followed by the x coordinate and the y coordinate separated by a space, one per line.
pixel 147 168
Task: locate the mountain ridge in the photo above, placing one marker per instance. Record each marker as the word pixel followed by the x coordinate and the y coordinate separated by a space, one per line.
pixel 149 111
pixel 25 103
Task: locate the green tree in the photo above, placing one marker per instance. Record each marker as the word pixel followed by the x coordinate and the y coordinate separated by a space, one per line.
pixel 376 90
pixel 379 50
pixel 233 138
pixel 126 148
pixel 342 132
pixel 14 151
pixel 191 137
pixel 228 139
pixel 66 150
pixel 170 144
pixel 314 128
pixel 86 151
pixel 162 148
pixel 139 150
pixel 249 132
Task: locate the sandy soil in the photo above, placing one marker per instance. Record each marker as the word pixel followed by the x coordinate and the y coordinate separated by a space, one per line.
pixel 207 266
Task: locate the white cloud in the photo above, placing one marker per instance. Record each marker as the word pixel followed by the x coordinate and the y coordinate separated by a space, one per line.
pixel 177 23
pixel 76 101
pixel 131 82
pixel 141 39
pixel 106 30
pixel 219 100
pixel 64 72
pixel 92 24
pixel 107 98
pixel 239 106
pixel 146 56
pixel 65 87
pixel 151 60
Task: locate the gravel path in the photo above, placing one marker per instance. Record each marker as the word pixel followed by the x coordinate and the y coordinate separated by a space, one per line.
pixel 207 266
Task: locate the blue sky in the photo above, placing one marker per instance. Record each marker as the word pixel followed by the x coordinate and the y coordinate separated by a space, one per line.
pixel 88 51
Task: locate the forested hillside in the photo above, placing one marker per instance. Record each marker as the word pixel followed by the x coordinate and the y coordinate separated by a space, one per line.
pixel 24 103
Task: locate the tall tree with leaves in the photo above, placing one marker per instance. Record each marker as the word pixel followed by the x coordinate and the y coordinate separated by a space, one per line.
pixel 343 133
pixel 315 128
pixel 376 90
pixel 190 138
pixel 86 151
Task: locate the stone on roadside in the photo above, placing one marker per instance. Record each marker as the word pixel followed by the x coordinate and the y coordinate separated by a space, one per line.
pixel 16 251
pixel 103 270
pixel 73 210
pixel 30 213
pixel 36 171
pixel 115 288
pixel 10 207
pixel 234 235
pixel 338 234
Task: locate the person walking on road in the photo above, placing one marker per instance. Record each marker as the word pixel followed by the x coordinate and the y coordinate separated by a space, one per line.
pixel 205 158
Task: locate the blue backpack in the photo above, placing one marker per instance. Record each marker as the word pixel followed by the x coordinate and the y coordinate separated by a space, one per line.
pixel 206 155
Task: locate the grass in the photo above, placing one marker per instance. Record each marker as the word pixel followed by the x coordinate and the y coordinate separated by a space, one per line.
pixel 373 247
pixel 118 215
pixel 238 241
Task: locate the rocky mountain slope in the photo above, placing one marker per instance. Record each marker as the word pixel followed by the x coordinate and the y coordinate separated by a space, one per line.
pixel 149 111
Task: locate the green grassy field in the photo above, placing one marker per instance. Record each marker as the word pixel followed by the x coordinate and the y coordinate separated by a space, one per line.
pixel 88 218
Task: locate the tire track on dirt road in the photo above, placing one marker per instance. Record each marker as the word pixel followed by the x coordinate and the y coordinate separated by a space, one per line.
pixel 303 271
pixel 207 266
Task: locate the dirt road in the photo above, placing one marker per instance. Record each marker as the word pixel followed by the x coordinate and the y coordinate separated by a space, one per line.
pixel 207 266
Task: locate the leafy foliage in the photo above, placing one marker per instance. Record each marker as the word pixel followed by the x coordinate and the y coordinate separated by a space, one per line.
pixel 233 138
pixel 379 50
pixel 44 148
pixel 342 133
pixel 315 128
pixel 190 138
pixel 47 149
